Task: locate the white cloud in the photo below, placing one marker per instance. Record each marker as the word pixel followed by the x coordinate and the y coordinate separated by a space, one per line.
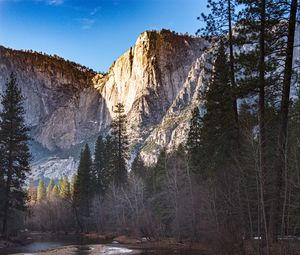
pixel 49 2
pixel 95 10
pixel 55 2
pixel 86 23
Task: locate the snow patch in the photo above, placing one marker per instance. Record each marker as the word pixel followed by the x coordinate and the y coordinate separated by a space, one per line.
pixel 54 168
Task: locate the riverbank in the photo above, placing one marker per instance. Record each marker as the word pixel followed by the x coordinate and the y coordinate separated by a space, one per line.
pixel 163 244
pixel 85 249
pixel 92 243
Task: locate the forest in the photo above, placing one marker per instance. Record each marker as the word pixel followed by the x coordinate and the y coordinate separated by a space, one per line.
pixel 234 184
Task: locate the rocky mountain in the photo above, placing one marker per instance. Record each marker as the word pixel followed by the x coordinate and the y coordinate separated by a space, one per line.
pixel 158 80
pixel 68 105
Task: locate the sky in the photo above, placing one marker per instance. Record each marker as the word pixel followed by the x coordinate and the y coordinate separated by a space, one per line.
pixel 93 33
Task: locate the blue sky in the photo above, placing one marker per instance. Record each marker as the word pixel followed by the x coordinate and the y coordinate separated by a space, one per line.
pixel 91 32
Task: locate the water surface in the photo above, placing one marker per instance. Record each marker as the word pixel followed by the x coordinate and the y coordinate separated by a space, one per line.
pixel 83 248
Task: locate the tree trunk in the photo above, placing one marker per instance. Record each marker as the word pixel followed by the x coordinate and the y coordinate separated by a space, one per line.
pixel 283 124
pixel 262 131
pixel 7 191
pixel 231 62
pixel 6 207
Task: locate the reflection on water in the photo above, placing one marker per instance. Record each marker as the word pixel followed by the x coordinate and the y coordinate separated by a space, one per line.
pixel 42 244
pixel 36 246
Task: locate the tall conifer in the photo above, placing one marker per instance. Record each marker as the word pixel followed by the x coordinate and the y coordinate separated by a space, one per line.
pixel 82 189
pixel 41 192
pixel 14 150
pixel 120 145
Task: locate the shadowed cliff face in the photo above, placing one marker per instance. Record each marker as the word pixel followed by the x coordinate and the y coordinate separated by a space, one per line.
pixel 60 102
pixel 46 82
pixel 67 104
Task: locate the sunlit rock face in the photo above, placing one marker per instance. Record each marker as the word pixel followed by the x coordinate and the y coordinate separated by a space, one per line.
pixel 174 127
pixel 148 77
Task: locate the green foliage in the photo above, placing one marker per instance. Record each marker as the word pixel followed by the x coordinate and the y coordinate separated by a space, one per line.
pixel 82 188
pixel 212 140
pixel 193 140
pixel 50 188
pixel 249 32
pixel 155 176
pixel 55 192
pixel 155 188
pixel 14 150
pixel 119 145
pixel 64 191
pixel 102 165
pixel 217 19
pixel 59 184
pixel 41 192
pixel 138 168
pixel 72 184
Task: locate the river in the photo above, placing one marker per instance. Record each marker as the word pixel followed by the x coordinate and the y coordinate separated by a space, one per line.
pixel 86 246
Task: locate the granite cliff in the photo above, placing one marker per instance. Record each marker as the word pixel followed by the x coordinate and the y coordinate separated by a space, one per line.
pixel 68 105
pixel 158 80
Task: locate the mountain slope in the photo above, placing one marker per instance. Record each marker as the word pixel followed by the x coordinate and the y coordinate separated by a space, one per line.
pixel 67 104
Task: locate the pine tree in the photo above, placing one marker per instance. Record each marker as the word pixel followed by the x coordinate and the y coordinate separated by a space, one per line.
pixel 155 176
pixel 283 125
pixel 82 189
pixel 55 192
pixel 101 171
pixel 261 24
pixel 72 184
pixel 2 185
pixel 138 168
pixel 64 192
pixel 120 145
pixel 193 141
pixel 109 166
pixel 14 150
pixel 218 132
pixel 219 26
pixel 59 184
pixel 41 192
pixel 155 188
pixel 50 188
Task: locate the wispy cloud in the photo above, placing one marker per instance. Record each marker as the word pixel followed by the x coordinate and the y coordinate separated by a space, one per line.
pixel 86 23
pixel 55 2
pixel 95 10
pixel 89 21
pixel 48 2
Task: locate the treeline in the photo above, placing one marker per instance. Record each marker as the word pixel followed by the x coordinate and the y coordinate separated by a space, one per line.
pixel 44 58
pixel 73 204
pixel 246 145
